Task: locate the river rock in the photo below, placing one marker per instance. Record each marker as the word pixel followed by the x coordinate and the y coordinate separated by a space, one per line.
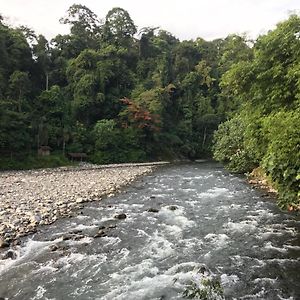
pixel 121 217
pixel 112 226
pixel 78 237
pixel 173 207
pixel 153 210
pixel 76 231
pixel 79 200
pixel 10 254
pixel 67 237
pixel 3 243
pixel 53 248
pixel 100 233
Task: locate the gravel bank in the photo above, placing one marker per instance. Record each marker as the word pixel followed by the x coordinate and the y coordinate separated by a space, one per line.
pixel 39 197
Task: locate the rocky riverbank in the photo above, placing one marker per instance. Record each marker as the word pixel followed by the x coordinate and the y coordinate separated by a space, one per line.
pixel 39 197
pixel 259 179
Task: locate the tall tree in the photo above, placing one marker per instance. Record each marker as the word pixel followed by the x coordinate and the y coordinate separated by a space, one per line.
pixel 119 28
pixel 85 28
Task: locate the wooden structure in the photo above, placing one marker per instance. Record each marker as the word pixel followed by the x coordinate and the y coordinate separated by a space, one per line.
pixel 44 151
pixel 77 156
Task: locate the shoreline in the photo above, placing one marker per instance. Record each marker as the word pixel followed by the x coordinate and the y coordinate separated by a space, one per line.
pixel 259 179
pixel 37 197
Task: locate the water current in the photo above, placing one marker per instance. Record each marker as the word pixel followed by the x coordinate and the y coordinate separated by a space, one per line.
pixel 182 222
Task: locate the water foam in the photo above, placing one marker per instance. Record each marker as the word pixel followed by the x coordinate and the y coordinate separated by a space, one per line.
pixel 214 192
pixel 175 217
pixel 217 240
pixel 246 226
pixel 158 246
pixel 269 246
pixel 30 250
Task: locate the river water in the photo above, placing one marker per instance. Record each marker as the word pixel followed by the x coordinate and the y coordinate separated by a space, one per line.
pixel 209 224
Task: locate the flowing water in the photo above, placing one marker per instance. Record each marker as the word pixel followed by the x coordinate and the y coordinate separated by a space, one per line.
pixel 208 222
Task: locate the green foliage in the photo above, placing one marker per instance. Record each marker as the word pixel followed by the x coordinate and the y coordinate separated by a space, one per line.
pixel 104 133
pixel 116 145
pixel 229 146
pixel 282 159
pixel 14 129
pixel 119 27
pixel 265 127
pixel 33 162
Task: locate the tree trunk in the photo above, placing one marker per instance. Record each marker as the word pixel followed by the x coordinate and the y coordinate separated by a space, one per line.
pixel 64 146
pixel 19 102
pixel 38 140
pixel 204 137
pixel 47 81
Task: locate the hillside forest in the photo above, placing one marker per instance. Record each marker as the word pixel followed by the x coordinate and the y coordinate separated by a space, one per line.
pixel 120 94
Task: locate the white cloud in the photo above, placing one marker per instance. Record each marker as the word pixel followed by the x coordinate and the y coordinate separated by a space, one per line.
pixel 185 19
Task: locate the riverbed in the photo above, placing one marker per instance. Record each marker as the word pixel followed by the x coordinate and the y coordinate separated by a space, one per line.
pixel 165 233
pixel 32 198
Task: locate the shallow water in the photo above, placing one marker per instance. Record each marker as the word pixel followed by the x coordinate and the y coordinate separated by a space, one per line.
pixel 207 218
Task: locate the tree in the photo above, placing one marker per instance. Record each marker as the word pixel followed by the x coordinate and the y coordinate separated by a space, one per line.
pixel 85 29
pixel 104 134
pixel 82 20
pixel 14 130
pixel 41 51
pixel 119 28
pixel 19 86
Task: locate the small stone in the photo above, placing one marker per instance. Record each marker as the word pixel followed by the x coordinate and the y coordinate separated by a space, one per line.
pixel 78 237
pixel 173 207
pixel 16 243
pixel 67 237
pixel 101 233
pixel 10 254
pixel 53 248
pixel 76 231
pixel 79 200
pixel 153 210
pixel 3 243
pixel 112 226
pixel 121 217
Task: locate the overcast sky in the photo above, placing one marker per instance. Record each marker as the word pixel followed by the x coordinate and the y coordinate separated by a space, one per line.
pixel 187 19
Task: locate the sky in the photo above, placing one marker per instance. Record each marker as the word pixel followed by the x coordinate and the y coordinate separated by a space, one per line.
pixel 186 19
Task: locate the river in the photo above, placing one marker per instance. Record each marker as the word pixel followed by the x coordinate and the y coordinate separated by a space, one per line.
pixel 184 223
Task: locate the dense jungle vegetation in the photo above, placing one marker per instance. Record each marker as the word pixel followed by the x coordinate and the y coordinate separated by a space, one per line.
pixel 123 95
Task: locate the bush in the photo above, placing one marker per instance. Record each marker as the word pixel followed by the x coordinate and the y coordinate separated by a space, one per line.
pixel 229 146
pixel 121 156
pixel 282 158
